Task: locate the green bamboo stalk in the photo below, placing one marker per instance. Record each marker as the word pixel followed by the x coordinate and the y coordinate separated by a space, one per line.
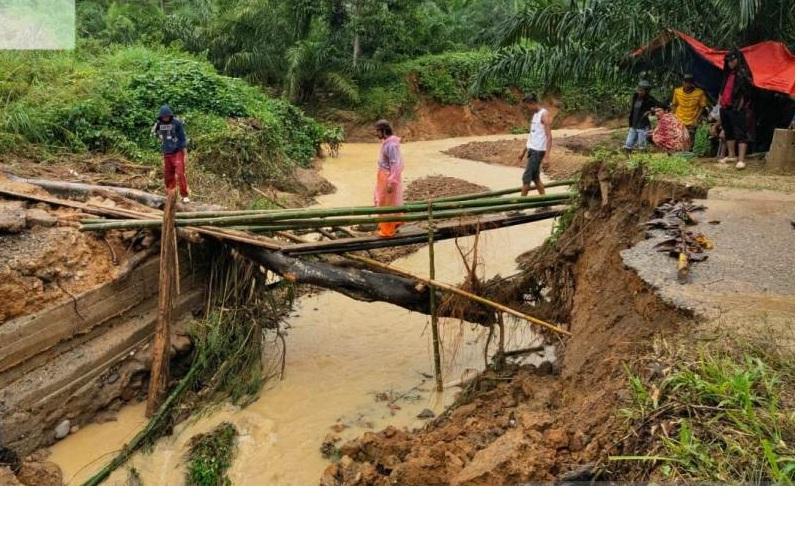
pixel 287 214
pixel 348 221
pixel 489 194
pixel 330 222
pixel 321 213
pixel 324 223
pixel 423 203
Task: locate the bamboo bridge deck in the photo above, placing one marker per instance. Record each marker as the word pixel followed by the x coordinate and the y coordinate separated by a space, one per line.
pixel 418 234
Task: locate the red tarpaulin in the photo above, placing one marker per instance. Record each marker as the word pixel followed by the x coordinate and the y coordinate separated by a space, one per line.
pixel 771 63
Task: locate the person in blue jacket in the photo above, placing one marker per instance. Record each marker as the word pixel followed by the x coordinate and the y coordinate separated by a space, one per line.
pixel 172 135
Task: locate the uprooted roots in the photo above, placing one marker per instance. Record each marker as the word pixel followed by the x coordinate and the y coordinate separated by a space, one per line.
pixel 243 313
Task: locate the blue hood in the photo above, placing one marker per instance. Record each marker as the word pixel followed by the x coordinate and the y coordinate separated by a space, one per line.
pixel 165 111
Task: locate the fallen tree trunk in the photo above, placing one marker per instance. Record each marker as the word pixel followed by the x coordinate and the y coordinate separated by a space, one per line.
pixel 357 283
pixel 82 190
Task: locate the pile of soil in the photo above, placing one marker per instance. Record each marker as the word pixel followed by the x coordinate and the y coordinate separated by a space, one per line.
pixel 439 186
pixel 528 426
pixel 568 156
pixel 34 470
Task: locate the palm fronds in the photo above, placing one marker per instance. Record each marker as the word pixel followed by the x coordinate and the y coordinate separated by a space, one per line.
pixel 576 40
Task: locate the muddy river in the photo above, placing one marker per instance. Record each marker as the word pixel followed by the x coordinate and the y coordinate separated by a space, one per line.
pixel 342 353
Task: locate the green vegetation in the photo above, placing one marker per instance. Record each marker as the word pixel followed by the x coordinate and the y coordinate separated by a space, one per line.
pixel 590 40
pixel 702 141
pixel 107 101
pixel 724 412
pixel 664 165
pixel 561 223
pixel 230 340
pixel 210 456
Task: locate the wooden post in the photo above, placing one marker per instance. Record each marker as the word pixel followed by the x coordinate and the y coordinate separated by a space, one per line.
pixel 437 360
pixel 161 342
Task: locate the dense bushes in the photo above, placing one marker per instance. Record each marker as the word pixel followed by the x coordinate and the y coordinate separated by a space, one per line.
pixel 450 78
pixel 108 101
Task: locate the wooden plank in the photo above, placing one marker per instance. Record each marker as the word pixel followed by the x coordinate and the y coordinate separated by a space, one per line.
pixel 166 287
pixel 416 235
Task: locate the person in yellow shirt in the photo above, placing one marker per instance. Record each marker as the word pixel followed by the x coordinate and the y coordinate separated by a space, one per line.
pixel 688 103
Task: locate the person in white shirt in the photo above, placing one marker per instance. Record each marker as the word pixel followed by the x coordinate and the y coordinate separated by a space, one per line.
pixel 540 142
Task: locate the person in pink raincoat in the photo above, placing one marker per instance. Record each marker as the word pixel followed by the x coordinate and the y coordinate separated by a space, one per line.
pixel 389 184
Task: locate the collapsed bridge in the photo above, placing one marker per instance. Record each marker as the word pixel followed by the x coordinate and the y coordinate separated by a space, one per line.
pixel 110 328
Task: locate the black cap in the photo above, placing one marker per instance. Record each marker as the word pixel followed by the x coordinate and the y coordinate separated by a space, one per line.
pixel 688 77
pixel 530 98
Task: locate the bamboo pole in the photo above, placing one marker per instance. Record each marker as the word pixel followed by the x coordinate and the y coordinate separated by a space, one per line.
pixel 423 203
pixel 437 361
pixel 159 368
pixel 324 223
pixel 304 220
pixel 291 214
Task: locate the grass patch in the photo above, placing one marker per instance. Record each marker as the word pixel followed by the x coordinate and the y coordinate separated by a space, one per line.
pixel 723 413
pixel 230 341
pixel 210 456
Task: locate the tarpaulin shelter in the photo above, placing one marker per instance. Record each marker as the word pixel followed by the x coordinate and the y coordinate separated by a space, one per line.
pixel 771 64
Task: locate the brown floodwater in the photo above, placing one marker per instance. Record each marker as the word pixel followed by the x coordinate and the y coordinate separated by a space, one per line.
pixel 344 357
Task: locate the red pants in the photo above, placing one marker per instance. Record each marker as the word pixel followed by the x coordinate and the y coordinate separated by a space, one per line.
pixel 175 167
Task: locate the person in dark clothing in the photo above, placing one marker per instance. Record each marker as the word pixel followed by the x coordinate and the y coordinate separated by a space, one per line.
pixel 172 135
pixel 638 121
pixel 734 102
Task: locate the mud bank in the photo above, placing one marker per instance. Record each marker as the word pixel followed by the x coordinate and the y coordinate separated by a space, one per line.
pixel 531 426
pixel 431 120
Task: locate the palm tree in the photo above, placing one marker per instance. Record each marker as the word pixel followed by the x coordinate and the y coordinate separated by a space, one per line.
pixel 559 40
pixel 313 65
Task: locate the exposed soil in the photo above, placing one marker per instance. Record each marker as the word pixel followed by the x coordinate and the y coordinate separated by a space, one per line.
pixel 431 120
pixel 526 426
pixel 438 187
pixel 34 470
pixel 49 260
pixel 568 156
